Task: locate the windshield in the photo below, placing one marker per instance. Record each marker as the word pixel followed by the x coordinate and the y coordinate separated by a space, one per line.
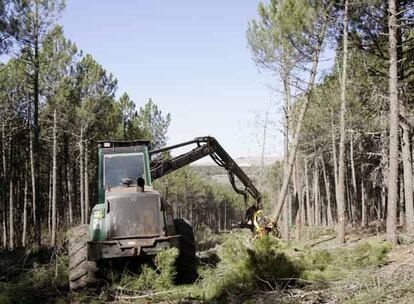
pixel 120 166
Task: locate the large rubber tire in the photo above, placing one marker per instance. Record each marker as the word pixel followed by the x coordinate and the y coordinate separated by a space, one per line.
pixel 186 263
pixel 81 271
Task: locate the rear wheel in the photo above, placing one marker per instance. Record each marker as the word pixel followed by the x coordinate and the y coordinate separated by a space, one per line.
pixel 186 263
pixel 81 271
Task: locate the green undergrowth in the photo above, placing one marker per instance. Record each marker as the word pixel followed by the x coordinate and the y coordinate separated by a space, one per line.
pixel 33 278
pixel 336 263
pixel 243 266
pixel 160 277
pixel 265 264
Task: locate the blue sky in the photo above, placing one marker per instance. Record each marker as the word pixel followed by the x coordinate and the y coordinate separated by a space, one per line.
pixel 191 57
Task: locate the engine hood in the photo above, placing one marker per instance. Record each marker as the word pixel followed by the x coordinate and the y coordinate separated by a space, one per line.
pixel 133 215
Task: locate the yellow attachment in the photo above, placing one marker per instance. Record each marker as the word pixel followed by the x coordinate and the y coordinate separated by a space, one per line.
pixel 263 225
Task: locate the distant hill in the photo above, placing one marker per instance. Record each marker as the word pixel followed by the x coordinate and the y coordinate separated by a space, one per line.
pixel 256 161
pixel 245 161
pixel 251 165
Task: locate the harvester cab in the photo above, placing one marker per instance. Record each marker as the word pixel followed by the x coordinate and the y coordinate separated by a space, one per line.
pixel 130 216
pixel 125 193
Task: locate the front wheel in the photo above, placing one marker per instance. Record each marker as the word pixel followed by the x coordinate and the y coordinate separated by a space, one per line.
pixel 186 263
pixel 81 271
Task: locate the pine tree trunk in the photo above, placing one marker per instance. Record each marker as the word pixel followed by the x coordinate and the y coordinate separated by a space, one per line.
pixel 4 226
pixel 86 183
pixel 308 207
pixel 4 220
pixel 328 194
pixel 341 167
pixel 11 216
pixel 363 204
pixel 406 142
pixel 225 215
pixel 54 178
pixel 287 207
pixel 49 205
pixel 36 139
pixel 81 179
pixel 33 179
pixel 401 203
pixel 384 164
pixel 354 182
pixel 302 198
pixel 334 159
pixel 382 205
pixel 261 173
pixel 316 201
pixel 394 111
pixel 70 191
pixel 292 153
pixel 285 220
pixel 296 201
pixel 24 232
pixel 408 179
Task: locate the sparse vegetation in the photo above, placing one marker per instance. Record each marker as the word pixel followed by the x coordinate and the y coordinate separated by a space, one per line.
pixel 160 277
pixel 325 264
pixel 245 269
pixel 33 278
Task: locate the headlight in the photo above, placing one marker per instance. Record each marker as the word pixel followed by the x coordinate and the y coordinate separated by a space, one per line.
pixel 98 214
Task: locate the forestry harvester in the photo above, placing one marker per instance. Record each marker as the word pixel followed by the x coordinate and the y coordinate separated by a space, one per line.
pixel 131 220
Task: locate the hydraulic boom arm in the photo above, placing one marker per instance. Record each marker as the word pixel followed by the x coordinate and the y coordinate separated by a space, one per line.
pixel 207 146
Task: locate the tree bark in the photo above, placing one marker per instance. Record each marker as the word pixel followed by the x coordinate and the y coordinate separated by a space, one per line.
pixel 49 205
pixel 54 178
pixel 328 194
pixel 292 153
pixel 81 177
pixel 11 216
pixel 308 207
pixel 4 220
pixel 285 220
pixel 316 201
pixel 261 173
pixel 296 201
pixel 36 131
pixel 334 159
pixel 341 166
pixel 86 183
pixel 353 201
pixel 394 110
pixel 363 203
pixel 32 175
pixel 287 207
pixel 70 191
pixel 24 232
pixel 401 203
pixel 408 178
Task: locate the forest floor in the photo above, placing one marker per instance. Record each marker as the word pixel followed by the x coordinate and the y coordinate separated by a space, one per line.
pixel 318 270
pixel 389 282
